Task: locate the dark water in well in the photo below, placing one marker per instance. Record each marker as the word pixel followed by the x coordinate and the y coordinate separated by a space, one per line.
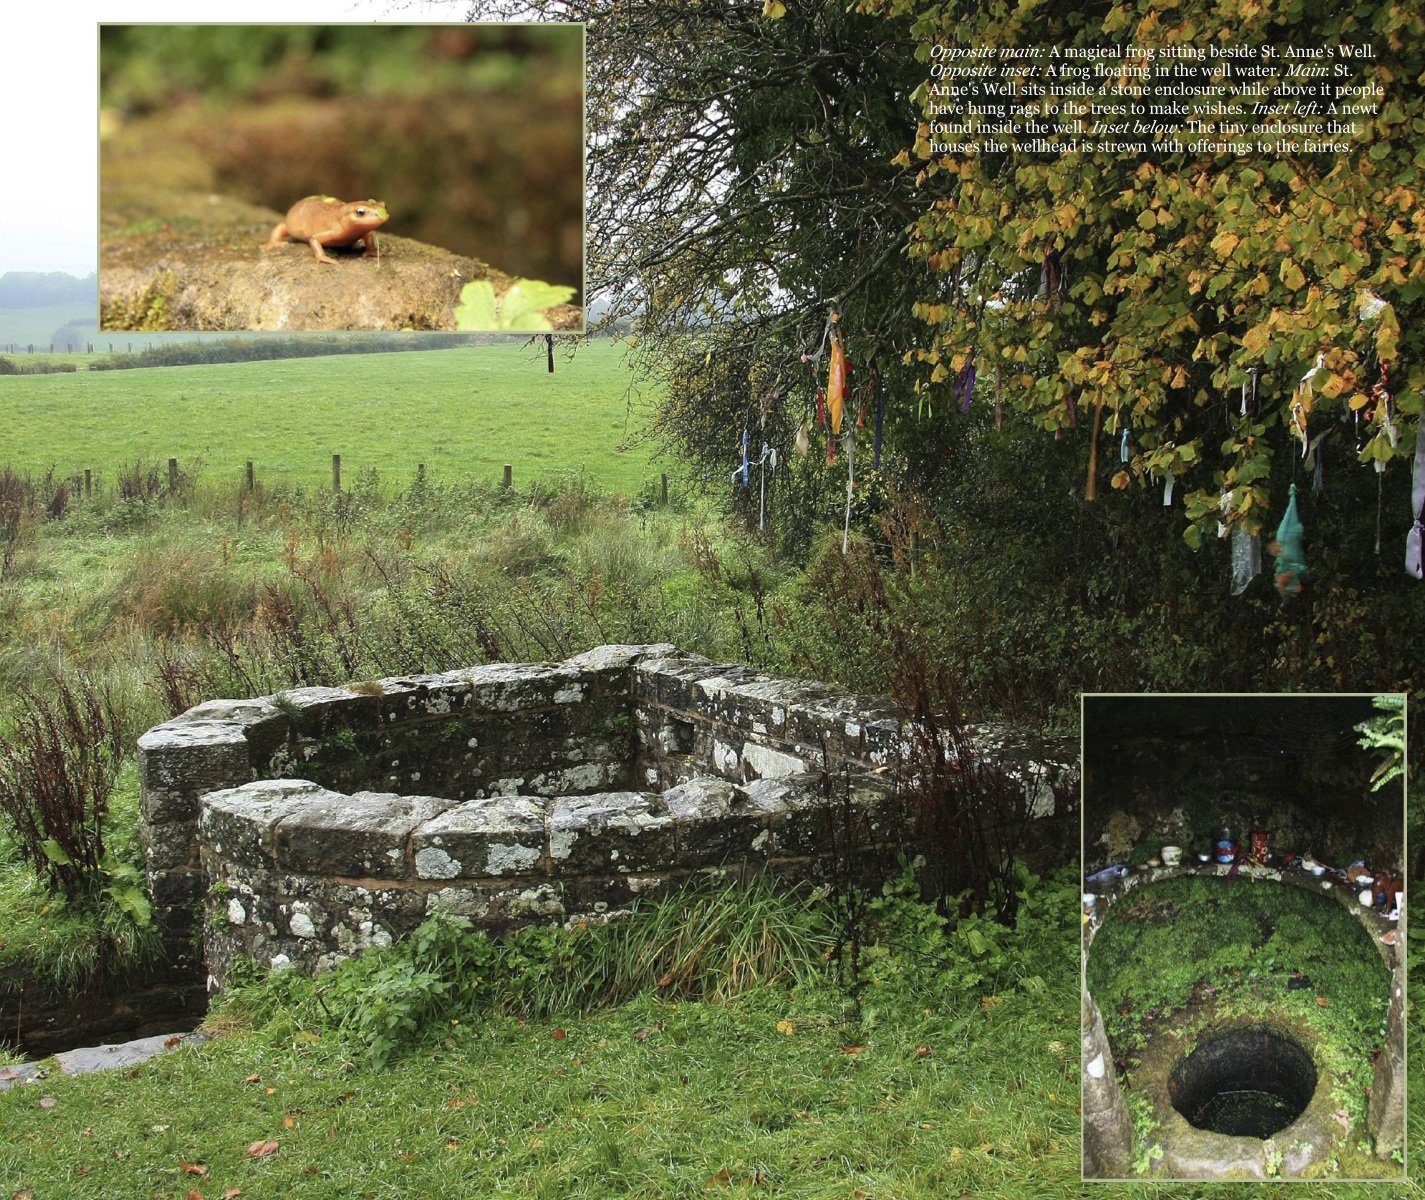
pixel 1245 1113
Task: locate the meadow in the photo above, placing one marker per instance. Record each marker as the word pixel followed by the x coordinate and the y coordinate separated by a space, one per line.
pixel 936 1058
pixel 462 413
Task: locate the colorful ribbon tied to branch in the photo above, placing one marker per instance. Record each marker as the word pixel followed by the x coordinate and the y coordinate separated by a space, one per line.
pixel 1414 539
pixel 1286 548
pixel 836 379
pixel 965 383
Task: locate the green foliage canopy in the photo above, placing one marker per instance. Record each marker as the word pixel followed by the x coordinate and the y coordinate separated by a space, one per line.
pixel 1179 272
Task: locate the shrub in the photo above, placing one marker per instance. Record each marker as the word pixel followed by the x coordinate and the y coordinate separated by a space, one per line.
pixel 59 762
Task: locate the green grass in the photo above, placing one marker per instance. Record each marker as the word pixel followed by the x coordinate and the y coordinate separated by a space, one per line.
pixel 463 413
pixel 777 1090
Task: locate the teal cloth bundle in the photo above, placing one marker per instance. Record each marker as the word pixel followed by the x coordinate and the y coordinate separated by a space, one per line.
pixel 1287 550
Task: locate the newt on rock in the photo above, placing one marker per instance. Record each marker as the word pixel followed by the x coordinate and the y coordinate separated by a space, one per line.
pixel 326 221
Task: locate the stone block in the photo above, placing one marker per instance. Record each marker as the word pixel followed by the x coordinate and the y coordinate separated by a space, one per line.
pixel 610 831
pixel 239 825
pixel 714 825
pixel 499 836
pixel 797 813
pixel 182 759
pixel 365 835
pixel 169 847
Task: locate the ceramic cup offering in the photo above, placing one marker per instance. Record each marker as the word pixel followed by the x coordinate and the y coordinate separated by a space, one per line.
pixel 1172 855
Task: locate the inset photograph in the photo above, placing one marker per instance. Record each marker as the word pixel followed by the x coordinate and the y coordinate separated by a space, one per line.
pixel 341 177
pixel 1243 996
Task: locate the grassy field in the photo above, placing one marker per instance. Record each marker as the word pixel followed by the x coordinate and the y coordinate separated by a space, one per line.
pixel 463 413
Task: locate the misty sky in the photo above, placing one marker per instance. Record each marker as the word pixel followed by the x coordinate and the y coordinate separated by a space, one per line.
pixel 49 92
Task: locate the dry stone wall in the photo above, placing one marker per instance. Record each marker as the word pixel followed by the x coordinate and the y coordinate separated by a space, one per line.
pixel 320 821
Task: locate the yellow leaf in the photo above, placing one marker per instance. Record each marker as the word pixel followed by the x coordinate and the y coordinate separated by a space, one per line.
pixel 785 1026
pixel 1255 340
pixel 1225 242
pixel 774 9
pixel 1290 274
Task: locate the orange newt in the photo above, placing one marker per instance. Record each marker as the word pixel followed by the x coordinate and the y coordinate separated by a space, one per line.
pixel 322 221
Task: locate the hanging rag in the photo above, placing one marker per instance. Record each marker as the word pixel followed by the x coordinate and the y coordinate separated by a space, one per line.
pixel 1246 559
pixel 880 419
pixel 965 383
pixel 836 378
pixel 1287 550
pixel 1414 539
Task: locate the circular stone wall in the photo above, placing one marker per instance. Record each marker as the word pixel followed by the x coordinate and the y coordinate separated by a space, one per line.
pixel 1232 1094
pixel 1243 1083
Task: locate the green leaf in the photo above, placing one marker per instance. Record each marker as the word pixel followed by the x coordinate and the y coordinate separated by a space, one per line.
pixel 522 304
pixel 55 853
pixel 133 903
pixel 518 309
pixel 476 311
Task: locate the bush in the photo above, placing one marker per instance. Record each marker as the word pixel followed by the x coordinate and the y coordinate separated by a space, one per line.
pixel 59 762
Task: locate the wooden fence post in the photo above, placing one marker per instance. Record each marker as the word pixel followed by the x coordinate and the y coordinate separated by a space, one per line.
pixel 88 482
pixel 509 476
pixel 172 474
pixel 251 478
pixel 336 472
pixel 665 488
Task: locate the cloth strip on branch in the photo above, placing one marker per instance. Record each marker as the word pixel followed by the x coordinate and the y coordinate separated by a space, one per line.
pixel 1416 536
pixel 1287 549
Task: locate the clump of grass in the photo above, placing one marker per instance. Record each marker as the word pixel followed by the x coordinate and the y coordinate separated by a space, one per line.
pixel 713 942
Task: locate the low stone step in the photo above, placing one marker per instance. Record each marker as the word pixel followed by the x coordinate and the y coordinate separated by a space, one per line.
pixel 87 1059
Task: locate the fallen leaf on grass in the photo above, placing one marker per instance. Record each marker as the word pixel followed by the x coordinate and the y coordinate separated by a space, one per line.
pixel 262 1149
pixel 232 1193
pixel 922 1051
pixel 721 1179
pixel 785 1026
pixel 48 1101
pixel 853 1049
pixel 193 1168
pixel 253 1078
pixel 24 1194
pixel 194 1195
pixel 559 1035
pixel 81 1172
pixel 1323 1002
pixel 175 1040
pixel 289 1122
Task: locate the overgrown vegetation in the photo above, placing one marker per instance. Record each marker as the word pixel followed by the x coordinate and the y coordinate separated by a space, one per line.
pixel 704 1042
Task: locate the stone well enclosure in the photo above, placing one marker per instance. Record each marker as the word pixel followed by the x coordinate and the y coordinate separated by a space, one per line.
pixel 319 821
pixel 1108 1146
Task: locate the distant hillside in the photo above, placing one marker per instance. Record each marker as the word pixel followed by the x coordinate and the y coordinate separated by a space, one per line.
pixel 41 289
pixel 73 322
